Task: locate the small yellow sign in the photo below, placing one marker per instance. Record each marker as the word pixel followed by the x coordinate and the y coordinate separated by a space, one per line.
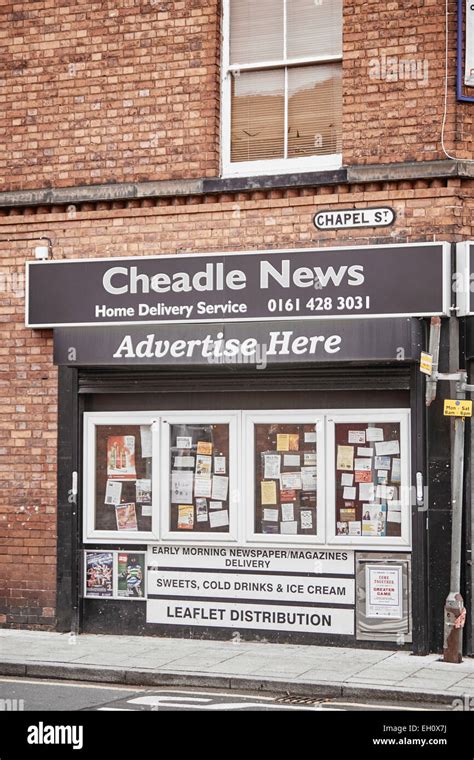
pixel 426 363
pixel 456 408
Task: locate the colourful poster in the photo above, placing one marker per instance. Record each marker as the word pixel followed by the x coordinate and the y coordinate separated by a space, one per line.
pixel 99 574
pixel 131 575
pixel 121 457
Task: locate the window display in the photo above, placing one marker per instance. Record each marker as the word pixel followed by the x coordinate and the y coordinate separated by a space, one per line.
pixel 368 479
pixel 199 478
pixel 285 478
pixel 123 478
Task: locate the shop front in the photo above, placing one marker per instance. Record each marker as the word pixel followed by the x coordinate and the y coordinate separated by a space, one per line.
pixel 242 443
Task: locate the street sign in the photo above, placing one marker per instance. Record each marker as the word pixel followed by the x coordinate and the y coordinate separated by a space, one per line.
pixel 457 408
pixel 343 219
pixel 426 363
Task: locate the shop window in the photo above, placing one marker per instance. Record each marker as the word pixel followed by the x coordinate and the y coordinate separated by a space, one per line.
pixel 200 462
pixel 118 484
pixel 282 86
pixel 285 460
pixel 369 477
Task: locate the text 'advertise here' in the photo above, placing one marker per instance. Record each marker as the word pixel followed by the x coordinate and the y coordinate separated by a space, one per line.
pixel 375 281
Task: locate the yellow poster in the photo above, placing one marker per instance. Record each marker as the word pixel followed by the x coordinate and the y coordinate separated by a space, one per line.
pixel 203 447
pixel 345 458
pixel 268 492
pixel 283 442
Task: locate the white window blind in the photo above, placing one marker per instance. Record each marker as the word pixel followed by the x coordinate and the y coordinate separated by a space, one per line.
pixel 285 66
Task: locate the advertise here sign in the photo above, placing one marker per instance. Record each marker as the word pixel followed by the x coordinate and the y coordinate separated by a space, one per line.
pixel 300 590
pixel 303 284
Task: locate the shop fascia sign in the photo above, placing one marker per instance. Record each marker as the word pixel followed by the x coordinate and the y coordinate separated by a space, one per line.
pixel 349 283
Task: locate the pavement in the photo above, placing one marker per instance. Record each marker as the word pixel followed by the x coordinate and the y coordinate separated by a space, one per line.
pixel 277 668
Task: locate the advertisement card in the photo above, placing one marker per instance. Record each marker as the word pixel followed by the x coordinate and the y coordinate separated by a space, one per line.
pixel 385 492
pixel 363 465
pixel 366 491
pixel 146 441
pixel 219 519
pixel 384 592
pixel 356 436
pixel 203 465
pixel 364 452
pixel 287 512
pixel 146 510
pixel 121 457
pixel 283 442
pixel 310 437
pixel 182 487
pixel 291 460
pixel 293 442
pixel 342 529
pixel 289 528
pixel 184 462
pixel 270 515
pixel 220 487
pixel 309 478
pixel 268 492
pixel 363 476
pixel 202 486
pixel 131 575
pixel 272 466
pixel 382 463
pixel 143 491
pixel 345 458
pixel 287 494
pixel 113 492
pixel 396 470
pixel 201 510
pixel 309 458
pixel 185 517
pixel 290 481
pixel 349 493
pixel 347 479
pixel 126 516
pixel 394 516
pixel 270 528
pixel 219 465
pixel 374 520
pixel 355 528
pixel 347 514
pixel 204 447
pixel 386 448
pixel 374 434
pixel 184 442
pixel 306 519
pixel 215 505
pixel 99 574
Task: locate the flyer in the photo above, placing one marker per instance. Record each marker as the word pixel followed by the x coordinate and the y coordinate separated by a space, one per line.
pixel 355 528
pixel 309 458
pixel 146 510
pixel 99 574
pixel 204 447
pixel 287 494
pixel 290 481
pixel 386 448
pixel 310 437
pixel 385 492
pixel 347 515
pixel 271 515
pixel 269 528
pixel 283 442
pixel 289 528
pixel 345 458
pixel 131 575
pixel 201 510
pixel 291 460
pixel 182 487
pixel 184 442
pixel 185 517
pixel 287 512
pixel 396 470
pixel 219 519
pixel 342 529
pixel 146 441
pixel 143 491
pixel 364 452
pixel 356 436
pixel 121 457
pixel 384 591
pixel 268 492
pixel 220 487
pixel 306 516
pixel 363 476
pixel 364 464
pixel 374 521
pixel 219 465
pixel 215 505
pixel 374 434
pixel 293 441
pixel 126 516
pixel 272 466
pixel 309 478
pixel 113 492
pixel 202 486
pixel 347 479
pixel 382 463
pixel 366 491
pixel 349 492
pixel 203 465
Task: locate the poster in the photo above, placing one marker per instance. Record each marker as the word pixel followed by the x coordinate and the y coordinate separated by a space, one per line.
pixel 181 487
pixel 356 436
pixel 99 574
pixel 220 465
pixel 204 465
pixel 272 466
pixel 143 491
pixel 131 575
pixel 201 510
pixel 113 492
pixel 121 457
pixel 268 494
pixel 126 516
pixel 204 447
pixel 383 592
pixel 219 519
pixel 185 517
pixel 220 487
pixel 184 442
pixel 146 441
pixel 202 486
pixel 291 481
pixel 345 458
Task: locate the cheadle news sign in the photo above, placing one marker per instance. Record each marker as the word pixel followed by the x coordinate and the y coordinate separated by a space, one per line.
pixel 375 281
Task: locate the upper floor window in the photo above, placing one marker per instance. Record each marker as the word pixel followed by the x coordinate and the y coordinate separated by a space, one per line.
pixel 282 85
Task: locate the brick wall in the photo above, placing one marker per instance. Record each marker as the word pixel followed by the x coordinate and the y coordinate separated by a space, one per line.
pixel 128 90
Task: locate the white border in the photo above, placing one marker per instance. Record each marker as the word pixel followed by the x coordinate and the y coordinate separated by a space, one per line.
pixel 230 418
pixel 401 416
pixel 463 296
pixel 91 421
pixel 446 289
pixel 296 416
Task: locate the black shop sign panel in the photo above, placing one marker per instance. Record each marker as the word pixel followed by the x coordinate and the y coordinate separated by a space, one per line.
pixel 350 283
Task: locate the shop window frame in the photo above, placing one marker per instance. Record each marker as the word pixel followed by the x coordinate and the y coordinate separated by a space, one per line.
pixel 231 168
pixel 297 416
pixel 232 419
pixel 358 416
pixel 93 420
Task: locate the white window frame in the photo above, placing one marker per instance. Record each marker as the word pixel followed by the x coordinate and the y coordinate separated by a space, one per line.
pixel 92 420
pixel 286 417
pixel 401 416
pixel 231 168
pixel 232 419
